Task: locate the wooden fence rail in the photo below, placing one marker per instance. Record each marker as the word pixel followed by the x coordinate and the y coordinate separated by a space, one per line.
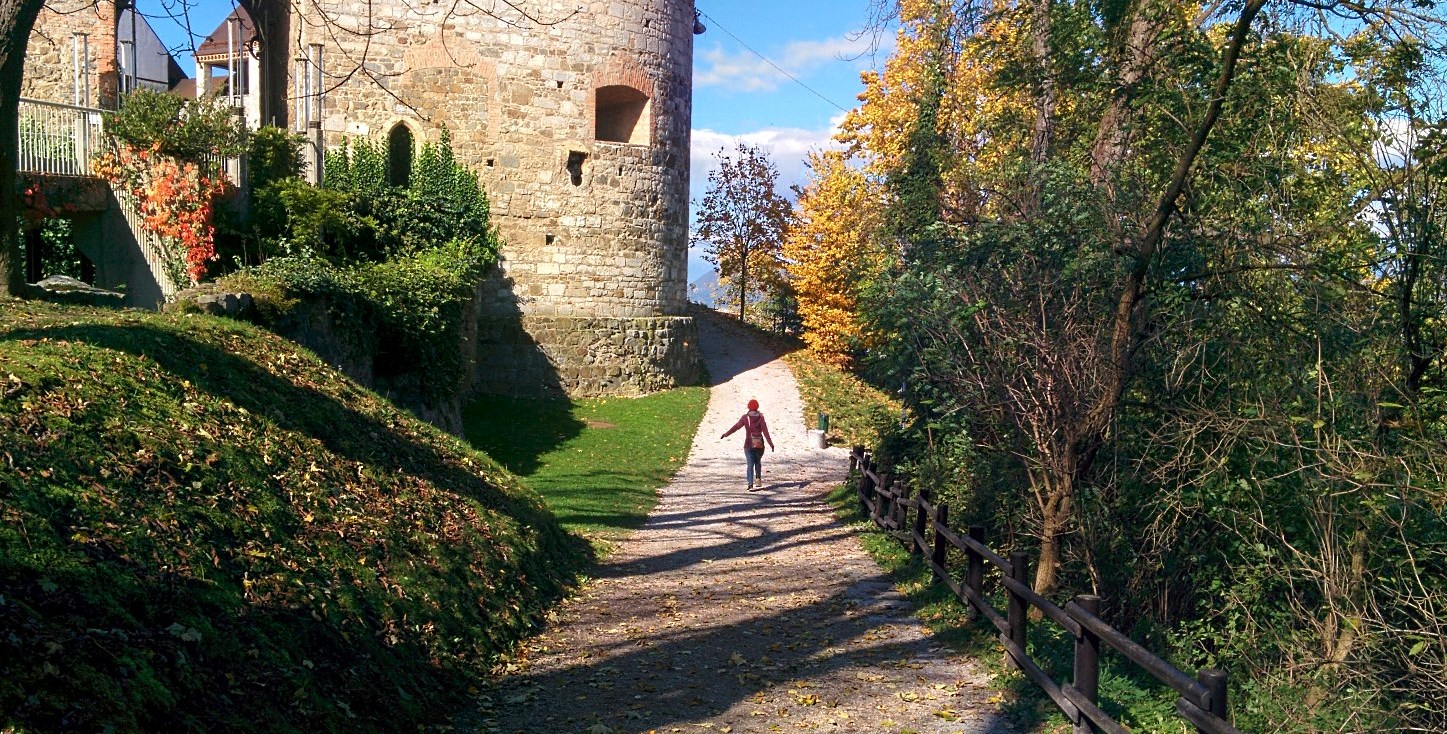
pixel 889 503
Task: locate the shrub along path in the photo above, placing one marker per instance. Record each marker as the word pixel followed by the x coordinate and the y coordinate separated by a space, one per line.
pixel 738 611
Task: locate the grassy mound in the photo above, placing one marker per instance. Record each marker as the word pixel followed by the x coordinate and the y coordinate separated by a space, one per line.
pixel 203 528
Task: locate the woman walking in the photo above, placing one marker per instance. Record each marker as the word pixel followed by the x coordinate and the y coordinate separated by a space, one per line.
pixel 754 437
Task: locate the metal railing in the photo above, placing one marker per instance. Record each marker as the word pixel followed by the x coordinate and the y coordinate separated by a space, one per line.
pixel 61 139
pixel 58 139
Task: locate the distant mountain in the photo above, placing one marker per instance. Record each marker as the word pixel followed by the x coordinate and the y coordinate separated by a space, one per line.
pixel 705 289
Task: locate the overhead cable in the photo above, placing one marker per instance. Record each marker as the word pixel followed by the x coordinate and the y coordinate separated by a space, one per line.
pixel 770 62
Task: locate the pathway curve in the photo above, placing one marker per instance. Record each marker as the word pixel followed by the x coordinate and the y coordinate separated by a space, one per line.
pixel 738 611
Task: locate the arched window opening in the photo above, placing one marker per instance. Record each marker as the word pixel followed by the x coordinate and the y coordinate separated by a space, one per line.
pixel 399 155
pixel 622 115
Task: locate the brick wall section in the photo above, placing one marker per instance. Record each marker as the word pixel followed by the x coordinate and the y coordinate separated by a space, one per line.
pixel 50 60
pixel 606 239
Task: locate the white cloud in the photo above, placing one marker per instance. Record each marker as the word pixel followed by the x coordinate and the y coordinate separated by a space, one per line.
pixel 786 147
pixel 743 71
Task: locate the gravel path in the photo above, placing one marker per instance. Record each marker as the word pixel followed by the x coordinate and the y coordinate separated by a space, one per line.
pixel 738 611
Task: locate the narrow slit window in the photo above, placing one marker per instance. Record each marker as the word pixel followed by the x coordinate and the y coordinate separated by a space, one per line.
pixel 622 115
pixel 575 166
pixel 399 156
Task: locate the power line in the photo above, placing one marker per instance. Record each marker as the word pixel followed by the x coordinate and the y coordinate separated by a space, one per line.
pixel 770 62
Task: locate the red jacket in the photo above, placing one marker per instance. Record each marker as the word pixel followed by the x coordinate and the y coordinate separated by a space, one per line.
pixel 757 425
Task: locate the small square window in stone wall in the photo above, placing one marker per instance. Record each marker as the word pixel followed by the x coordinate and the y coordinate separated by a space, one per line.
pixel 622 115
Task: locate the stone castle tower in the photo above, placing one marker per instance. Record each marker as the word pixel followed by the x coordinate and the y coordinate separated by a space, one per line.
pixel 576 117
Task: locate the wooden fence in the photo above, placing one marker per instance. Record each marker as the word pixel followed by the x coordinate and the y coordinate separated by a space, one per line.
pixel 924 526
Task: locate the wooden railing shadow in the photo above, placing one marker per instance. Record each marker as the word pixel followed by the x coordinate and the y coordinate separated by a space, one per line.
pixel 923 526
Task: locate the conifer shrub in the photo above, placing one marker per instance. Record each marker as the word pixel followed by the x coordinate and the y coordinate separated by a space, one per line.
pixel 442 200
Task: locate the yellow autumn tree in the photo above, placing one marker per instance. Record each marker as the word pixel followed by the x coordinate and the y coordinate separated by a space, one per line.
pixel 831 253
pixel 976 116
pixel 877 131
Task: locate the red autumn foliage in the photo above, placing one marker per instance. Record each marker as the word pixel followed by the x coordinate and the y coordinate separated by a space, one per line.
pixel 175 200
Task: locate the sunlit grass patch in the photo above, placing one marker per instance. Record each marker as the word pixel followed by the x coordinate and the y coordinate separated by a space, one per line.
pixel 856 409
pixel 597 462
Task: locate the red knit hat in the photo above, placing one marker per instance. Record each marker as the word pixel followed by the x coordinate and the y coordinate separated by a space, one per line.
pixel 753 405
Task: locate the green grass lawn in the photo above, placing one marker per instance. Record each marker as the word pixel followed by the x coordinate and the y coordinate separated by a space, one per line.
pixel 856 410
pixel 597 462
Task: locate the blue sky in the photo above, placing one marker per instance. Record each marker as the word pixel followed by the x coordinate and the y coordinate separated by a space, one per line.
pixel 740 97
pixel 737 95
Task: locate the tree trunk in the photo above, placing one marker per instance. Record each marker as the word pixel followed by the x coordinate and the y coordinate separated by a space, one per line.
pixel 17 18
pixel 1125 336
pixel 1126 332
pixel 1138 52
pixel 1042 134
pixel 1045 95
pixel 1056 516
pixel 743 280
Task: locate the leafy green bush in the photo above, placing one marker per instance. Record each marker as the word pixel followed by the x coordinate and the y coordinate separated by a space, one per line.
pixel 58 253
pixel 187 129
pixel 273 155
pixel 289 215
pixel 419 303
pixel 414 305
pixel 284 213
pixel 442 201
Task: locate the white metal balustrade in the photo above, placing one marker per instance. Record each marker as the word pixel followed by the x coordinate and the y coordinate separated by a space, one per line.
pixel 61 139
pixel 58 139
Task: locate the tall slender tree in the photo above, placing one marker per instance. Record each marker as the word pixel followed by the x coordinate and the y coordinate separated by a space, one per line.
pixel 17 19
pixel 743 221
pixel 833 252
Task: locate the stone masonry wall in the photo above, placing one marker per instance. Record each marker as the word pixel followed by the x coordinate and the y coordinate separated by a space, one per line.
pixel 541 355
pixel 592 229
pixel 50 55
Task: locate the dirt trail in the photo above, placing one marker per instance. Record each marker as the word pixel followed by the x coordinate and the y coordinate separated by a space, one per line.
pixel 738 611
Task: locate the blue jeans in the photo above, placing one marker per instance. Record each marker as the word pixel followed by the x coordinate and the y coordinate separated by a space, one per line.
pixel 753 459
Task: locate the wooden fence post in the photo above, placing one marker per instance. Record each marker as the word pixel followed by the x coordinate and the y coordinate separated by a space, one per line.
pixel 1087 662
pixel 889 511
pixel 899 509
pixel 941 520
pixel 1020 571
pixel 921 522
pixel 862 490
pixel 1215 682
pixel 975 570
pixel 870 502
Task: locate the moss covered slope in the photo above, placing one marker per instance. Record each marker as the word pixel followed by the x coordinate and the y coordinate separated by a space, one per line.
pixel 204 528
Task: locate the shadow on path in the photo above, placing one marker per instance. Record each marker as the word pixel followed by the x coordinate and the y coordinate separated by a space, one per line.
pixel 740 611
pixel 718 331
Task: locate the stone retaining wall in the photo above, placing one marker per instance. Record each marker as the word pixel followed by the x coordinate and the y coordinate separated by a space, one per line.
pixel 582 357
